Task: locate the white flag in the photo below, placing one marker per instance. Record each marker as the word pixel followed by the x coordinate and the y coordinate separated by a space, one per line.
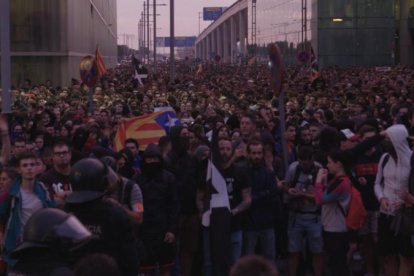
pixel 219 195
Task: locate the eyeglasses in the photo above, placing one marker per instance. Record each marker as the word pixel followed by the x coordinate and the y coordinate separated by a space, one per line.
pixel 61 153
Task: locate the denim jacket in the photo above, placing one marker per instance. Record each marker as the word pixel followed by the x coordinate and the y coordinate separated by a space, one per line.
pixel 10 212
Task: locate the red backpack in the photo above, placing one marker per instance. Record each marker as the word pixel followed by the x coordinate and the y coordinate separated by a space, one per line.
pixel 356 216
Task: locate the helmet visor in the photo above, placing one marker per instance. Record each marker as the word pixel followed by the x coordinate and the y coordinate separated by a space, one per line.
pixel 73 231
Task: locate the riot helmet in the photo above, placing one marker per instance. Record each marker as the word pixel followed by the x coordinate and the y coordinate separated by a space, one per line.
pixel 89 180
pixel 54 229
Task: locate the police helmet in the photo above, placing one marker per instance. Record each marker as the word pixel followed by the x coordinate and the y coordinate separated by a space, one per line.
pixel 55 229
pixel 89 180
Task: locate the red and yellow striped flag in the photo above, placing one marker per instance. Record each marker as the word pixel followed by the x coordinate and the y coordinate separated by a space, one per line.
pixel 146 129
pixel 99 62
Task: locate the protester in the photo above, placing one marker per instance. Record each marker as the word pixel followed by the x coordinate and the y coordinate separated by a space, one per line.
pixel 390 185
pixel 26 195
pixel 258 219
pixel 334 195
pixel 220 102
pixel 159 229
pixel 304 214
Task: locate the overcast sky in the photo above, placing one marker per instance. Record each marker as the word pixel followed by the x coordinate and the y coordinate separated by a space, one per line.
pixel 186 17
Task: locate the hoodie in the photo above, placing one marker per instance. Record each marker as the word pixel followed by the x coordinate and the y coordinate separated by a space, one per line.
pixel 180 164
pixel 160 197
pixel 395 175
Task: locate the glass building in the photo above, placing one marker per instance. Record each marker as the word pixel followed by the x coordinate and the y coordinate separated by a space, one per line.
pixel 355 32
pixel 49 37
pixel 341 32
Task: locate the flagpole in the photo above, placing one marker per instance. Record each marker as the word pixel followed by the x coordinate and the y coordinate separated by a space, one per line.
pixel 282 118
pixel 90 100
pixel 277 75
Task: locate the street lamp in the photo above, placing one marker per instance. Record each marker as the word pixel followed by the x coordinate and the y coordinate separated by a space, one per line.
pixel 155 31
pixel 199 22
pixel 147 29
pixel 172 41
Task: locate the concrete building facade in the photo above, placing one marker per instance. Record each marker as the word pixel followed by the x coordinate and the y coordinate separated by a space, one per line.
pixel 227 36
pixel 49 37
pixel 341 32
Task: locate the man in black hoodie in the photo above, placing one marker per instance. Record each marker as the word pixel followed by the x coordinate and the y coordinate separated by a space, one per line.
pixel 179 162
pixel 159 226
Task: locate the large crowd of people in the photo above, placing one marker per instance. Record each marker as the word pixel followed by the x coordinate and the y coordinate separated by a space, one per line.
pixel 348 135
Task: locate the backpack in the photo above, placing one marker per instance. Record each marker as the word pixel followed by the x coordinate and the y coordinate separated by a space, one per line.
pixel 296 205
pixel 125 192
pixel 298 171
pixel 356 216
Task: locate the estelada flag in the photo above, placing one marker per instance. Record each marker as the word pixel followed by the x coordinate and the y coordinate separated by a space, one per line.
pixel 277 70
pixel 100 64
pixel 146 129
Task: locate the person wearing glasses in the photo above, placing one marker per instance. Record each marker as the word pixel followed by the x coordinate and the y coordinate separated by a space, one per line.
pixel 57 178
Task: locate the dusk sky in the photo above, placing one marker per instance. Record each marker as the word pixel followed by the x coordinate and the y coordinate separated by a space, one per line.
pixel 186 17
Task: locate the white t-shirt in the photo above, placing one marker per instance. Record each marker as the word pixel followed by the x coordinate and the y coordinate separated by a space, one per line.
pixel 30 204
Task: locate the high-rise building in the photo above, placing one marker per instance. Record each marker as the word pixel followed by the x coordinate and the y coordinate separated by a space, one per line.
pixel 50 37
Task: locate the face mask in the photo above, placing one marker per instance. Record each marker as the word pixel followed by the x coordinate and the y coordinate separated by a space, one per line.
pixel 151 169
pixel 185 142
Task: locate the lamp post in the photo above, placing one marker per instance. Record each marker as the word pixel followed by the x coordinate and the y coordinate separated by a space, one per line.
pixel 154 17
pixel 155 32
pixel 144 32
pixel 199 23
pixel 148 32
pixel 172 38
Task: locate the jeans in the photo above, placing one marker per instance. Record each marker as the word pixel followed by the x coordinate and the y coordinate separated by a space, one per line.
pixel 206 252
pixel 236 245
pixel 336 244
pixel 266 240
pixel 299 228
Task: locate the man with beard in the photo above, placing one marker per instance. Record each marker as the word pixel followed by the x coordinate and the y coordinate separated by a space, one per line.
pixel 159 225
pixel 57 178
pixel 224 234
pixel 305 137
pixel 258 219
pixel 239 192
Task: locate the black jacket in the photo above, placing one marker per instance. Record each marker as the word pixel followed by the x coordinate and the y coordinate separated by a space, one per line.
pixel 264 199
pixel 179 162
pixel 160 202
pixel 114 233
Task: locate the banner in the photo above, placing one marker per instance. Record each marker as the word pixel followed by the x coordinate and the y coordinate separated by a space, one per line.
pixel 179 41
pixel 212 13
